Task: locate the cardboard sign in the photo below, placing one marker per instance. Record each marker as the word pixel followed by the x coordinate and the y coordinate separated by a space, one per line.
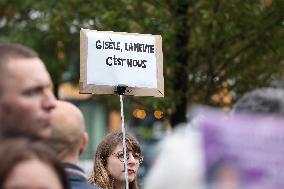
pixel 243 151
pixel 111 59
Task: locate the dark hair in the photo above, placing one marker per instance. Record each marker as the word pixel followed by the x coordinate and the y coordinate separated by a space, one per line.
pixel 100 176
pixel 263 100
pixel 15 151
pixel 13 51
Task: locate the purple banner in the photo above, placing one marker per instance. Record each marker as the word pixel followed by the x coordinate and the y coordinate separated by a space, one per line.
pixel 243 151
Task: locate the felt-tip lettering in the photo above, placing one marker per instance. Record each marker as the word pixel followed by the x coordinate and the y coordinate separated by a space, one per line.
pixel 107 45
pixel 139 47
pixel 116 61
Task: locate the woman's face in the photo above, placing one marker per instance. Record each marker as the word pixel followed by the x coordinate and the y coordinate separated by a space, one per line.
pixel 32 174
pixel 115 164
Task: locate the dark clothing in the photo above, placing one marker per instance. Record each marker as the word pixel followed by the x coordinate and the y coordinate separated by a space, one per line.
pixel 77 177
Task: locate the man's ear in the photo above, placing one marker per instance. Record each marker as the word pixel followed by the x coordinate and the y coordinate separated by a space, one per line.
pixel 85 141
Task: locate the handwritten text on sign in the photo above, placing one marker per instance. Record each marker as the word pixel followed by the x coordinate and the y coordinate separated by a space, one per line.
pixel 121 59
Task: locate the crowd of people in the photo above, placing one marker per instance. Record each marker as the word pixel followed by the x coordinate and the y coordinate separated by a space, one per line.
pixel 42 138
pixel 252 131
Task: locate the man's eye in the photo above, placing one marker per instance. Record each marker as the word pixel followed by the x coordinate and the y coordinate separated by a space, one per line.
pixel 34 91
pixel 30 92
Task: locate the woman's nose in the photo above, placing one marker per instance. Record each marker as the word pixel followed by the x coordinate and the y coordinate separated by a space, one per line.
pixel 131 159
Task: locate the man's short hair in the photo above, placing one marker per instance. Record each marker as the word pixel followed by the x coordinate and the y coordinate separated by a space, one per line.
pixel 262 100
pixel 13 51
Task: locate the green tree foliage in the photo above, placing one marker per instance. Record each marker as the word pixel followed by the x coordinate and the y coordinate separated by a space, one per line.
pixel 211 48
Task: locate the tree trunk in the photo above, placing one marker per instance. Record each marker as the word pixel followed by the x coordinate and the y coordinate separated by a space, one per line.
pixel 182 57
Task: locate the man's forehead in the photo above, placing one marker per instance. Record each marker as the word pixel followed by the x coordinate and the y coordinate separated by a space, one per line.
pixel 25 70
pixel 16 66
pixel 22 61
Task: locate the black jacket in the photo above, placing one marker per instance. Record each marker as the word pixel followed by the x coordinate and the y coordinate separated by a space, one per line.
pixel 77 177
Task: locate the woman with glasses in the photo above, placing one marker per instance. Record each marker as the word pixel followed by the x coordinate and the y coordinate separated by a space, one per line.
pixel 109 172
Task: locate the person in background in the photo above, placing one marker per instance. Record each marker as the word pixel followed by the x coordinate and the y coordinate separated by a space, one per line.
pixel 185 143
pixel 25 98
pixel 262 100
pixel 109 171
pixel 179 163
pixel 26 164
pixel 69 140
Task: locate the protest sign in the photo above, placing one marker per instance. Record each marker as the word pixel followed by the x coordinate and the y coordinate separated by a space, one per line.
pixel 243 151
pixel 111 59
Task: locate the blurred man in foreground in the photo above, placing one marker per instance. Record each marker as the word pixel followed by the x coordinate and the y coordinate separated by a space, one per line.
pixel 25 98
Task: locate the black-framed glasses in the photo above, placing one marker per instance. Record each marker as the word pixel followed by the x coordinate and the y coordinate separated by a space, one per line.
pixel 120 156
